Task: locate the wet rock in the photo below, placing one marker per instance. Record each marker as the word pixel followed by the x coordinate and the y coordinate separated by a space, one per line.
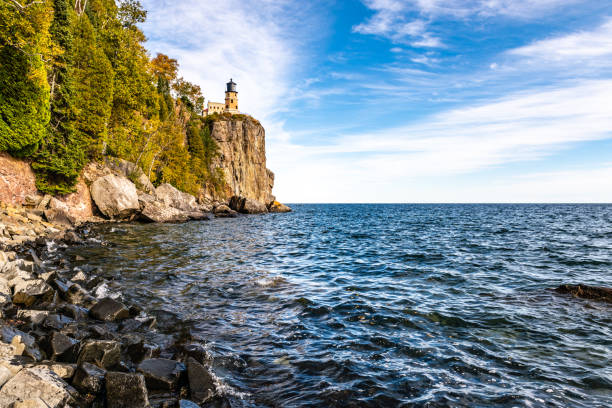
pixel 89 378
pixel 201 383
pixel 195 350
pixel 161 373
pixel 74 311
pixel 276 207
pixel 587 292
pixel 103 353
pixel 103 332
pixel 27 292
pixel 224 211
pixel 172 197
pixel 197 215
pixel 59 217
pixel 109 310
pixel 126 390
pixel 116 197
pixel 157 211
pixel 247 205
pixel 60 347
pixel 33 383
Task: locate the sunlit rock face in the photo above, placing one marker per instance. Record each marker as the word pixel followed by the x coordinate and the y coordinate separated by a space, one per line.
pixel 242 156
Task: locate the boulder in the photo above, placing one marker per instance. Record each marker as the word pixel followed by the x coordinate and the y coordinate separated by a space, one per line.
pixel 161 373
pixel 144 199
pixel 36 382
pixel 57 321
pixel 158 211
pixel 103 353
pixel 31 403
pixel 126 390
pixel 5 375
pixel 247 205
pixel 115 196
pixel 172 197
pixel 276 207
pixel 587 292
pixel 89 378
pixel 132 172
pixel 201 383
pixel 223 210
pixel 109 310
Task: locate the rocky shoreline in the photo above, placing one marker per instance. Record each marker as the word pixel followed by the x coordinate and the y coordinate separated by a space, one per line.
pixel 68 340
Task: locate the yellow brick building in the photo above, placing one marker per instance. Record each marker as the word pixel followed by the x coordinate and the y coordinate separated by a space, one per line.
pixel 231 101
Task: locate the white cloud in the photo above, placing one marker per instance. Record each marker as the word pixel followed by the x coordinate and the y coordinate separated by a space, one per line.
pixel 255 43
pixel 575 47
pixel 391 165
pixel 396 20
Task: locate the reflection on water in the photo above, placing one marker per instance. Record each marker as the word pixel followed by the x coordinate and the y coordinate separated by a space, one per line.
pixel 385 305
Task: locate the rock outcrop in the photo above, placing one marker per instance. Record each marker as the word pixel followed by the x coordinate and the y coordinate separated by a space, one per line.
pixel 242 157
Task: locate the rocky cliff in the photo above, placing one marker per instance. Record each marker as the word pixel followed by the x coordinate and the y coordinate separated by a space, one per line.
pixel 242 157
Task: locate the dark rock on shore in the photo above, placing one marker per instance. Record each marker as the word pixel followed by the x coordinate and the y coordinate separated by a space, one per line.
pixel 103 353
pixel 109 310
pixel 89 378
pixel 201 383
pixel 162 373
pixel 587 292
pixel 223 211
pixel 247 205
pixel 126 390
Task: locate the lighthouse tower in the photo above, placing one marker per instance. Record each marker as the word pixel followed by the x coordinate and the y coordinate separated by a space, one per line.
pixel 231 98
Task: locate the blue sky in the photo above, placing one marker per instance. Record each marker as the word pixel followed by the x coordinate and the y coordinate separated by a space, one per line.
pixel 411 100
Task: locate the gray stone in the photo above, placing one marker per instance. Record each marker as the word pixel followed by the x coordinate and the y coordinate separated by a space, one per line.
pixel 161 373
pixel 28 292
pixel 126 390
pixel 64 370
pixel 109 310
pixel 158 211
pixel 57 321
pixel 172 197
pixel 132 172
pixel 201 383
pixel 223 210
pixel 5 375
pixel 103 353
pixel 36 382
pixel 20 339
pixel 247 205
pixel 116 197
pixel 89 378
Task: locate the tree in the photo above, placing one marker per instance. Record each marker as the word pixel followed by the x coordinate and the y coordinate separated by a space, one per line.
pixel 164 67
pixel 24 91
pixel 190 94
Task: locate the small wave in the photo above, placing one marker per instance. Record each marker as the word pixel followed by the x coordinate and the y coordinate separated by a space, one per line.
pixel 270 282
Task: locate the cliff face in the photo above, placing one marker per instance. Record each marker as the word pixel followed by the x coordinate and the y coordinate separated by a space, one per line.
pixel 242 156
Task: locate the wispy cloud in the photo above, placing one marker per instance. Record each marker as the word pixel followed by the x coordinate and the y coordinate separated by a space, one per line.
pixel 410 21
pixel 575 47
pixel 255 43
pixel 521 127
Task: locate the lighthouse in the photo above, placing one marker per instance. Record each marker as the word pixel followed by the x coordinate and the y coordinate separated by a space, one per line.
pixel 231 97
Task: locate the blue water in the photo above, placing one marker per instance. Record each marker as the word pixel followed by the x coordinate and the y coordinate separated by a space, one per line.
pixel 385 305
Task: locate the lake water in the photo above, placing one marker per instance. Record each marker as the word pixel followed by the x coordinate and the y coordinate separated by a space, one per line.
pixel 384 305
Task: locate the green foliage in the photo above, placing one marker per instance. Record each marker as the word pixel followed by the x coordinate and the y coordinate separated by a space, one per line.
pixel 76 84
pixel 24 91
